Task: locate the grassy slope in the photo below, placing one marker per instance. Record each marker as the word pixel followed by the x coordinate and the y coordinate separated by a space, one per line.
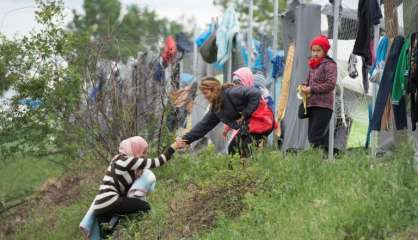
pixel 24 175
pixel 276 197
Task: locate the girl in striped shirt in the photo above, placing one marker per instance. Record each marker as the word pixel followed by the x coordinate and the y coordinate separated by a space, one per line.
pixel 123 170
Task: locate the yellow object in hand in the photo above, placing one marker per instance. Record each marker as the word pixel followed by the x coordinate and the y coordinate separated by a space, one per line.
pixel 302 96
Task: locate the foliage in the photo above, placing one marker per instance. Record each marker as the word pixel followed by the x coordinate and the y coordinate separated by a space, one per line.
pixel 37 68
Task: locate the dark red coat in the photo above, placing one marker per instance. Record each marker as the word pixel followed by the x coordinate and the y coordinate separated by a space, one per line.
pixel 322 81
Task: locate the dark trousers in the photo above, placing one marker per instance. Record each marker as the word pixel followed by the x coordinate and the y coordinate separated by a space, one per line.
pixel 318 126
pixel 124 206
pixel 243 143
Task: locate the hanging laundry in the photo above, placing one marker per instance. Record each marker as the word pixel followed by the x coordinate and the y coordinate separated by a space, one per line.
pixel 413 61
pixel 401 73
pixel 399 111
pixel 183 43
pixel 209 49
pixel 352 66
pixel 413 79
pixel 170 51
pixel 376 69
pixel 369 14
pixel 227 31
pixel 369 129
pixel 365 74
pixel 237 57
pixel 287 77
pixel 386 83
pixel 203 37
pixel 259 57
pixel 158 72
pixel 278 65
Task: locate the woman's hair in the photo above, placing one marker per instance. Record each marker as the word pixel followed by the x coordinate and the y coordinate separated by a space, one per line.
pixel 212 84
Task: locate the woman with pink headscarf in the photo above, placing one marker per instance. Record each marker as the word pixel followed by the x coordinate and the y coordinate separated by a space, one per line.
pixel 124 168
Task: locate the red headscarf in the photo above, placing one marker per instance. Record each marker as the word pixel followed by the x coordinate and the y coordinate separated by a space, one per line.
pixel 323 42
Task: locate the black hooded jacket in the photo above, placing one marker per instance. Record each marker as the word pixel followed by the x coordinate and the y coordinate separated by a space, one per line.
pixel 245 100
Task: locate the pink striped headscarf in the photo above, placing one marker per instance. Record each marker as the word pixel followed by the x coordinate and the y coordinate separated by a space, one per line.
pixel 133 146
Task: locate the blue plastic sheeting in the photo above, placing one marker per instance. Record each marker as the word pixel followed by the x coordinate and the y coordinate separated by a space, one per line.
pixel 33 104
pixel 186 79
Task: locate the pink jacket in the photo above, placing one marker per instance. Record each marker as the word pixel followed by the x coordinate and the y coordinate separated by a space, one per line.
pixel 322 81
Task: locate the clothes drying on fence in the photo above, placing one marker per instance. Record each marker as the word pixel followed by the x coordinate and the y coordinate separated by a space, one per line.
pixel 386 83
pixel 369 14
pixel 365 75
pixel 401 73
pixel 209 50
pixel 183 43
pixel 413 79
pixel 159 74
pixel 278 65
pixel 203 37
pixel 227 31
pixel 287 77
pixel 399 111
pixel 236 57
pixel 376 69
pixel 170 51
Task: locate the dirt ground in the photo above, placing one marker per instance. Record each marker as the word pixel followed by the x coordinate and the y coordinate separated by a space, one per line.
pixel 61 192
pixel 199 207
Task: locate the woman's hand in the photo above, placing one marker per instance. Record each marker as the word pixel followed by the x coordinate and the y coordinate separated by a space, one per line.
pixel 179 144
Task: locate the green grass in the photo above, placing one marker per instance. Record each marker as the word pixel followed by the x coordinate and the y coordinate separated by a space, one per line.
pixel 20 177
pixel 295 196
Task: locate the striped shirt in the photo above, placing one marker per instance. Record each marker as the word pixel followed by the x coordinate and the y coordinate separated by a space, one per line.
pixel 120 175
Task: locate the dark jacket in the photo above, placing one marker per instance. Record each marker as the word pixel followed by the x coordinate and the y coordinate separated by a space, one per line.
pixel 244 99
pixel 322 81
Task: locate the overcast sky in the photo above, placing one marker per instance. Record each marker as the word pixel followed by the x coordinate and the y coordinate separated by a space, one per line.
pixel 17 16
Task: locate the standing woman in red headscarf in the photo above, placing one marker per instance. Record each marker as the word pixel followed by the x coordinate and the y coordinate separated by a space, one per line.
pixel 319 88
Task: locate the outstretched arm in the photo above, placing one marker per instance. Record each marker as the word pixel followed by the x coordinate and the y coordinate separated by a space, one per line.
pixel 209 121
